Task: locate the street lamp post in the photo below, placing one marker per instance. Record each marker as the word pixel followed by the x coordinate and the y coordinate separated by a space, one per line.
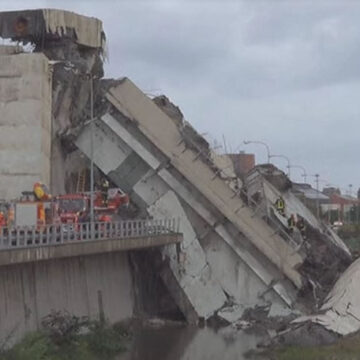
pixel 246 142
pixel 91 79
pixel 304 174
pixel 72 66
pixel 286 158
pixel 317 180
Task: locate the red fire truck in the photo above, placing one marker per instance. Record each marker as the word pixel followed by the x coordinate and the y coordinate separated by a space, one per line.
pixel 75 208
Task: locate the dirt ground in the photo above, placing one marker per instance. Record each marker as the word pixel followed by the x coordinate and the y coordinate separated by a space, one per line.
pixel 347 348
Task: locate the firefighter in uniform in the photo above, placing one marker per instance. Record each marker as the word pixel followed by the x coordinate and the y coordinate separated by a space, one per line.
pixel 104 191
pixel 302 227
pixel 280 205
pixel 291 223
pixel 2 220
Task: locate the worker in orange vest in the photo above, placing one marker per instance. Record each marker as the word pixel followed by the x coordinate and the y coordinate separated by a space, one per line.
pixel 11 216
pixel 2 220
pixel 104 188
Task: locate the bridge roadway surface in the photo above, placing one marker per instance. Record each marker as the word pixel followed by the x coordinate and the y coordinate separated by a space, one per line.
pixel 54 241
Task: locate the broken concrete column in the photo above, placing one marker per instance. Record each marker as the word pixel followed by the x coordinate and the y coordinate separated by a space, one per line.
pixel 75 46
pixel 189 264
pixel 25 123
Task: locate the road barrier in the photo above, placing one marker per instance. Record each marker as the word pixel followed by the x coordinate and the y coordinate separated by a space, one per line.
pixel 64 233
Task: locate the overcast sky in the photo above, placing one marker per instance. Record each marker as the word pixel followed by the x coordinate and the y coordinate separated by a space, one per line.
pixel 283 72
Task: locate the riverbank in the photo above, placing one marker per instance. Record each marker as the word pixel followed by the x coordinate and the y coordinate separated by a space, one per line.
pixel 189 342
pixel 347 348
pixel 66 337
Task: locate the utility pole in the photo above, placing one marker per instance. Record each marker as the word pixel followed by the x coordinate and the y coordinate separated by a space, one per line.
pixel 317 196
pixel 224 141
pixel 91 80
pixel 91 148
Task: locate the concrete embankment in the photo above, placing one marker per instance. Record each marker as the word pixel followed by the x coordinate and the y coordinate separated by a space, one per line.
pixel 84 286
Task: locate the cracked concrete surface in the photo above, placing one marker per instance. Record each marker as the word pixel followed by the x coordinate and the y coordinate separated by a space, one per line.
pixel 189 264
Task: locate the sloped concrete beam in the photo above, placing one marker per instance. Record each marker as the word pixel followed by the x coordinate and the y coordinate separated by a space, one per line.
pixel 187 196
pixel 189 265
pixel 155 183
pixel 161 131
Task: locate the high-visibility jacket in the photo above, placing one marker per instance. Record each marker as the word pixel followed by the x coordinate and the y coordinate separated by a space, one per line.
pixel 280 204
pixel 39 191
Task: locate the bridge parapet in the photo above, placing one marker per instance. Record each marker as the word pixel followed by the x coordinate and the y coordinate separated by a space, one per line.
pixel 50 235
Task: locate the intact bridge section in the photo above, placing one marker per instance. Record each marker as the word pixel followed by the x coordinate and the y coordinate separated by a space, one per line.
pixel 84 271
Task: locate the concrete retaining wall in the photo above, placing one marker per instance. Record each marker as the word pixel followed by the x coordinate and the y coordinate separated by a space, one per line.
pixel 28 292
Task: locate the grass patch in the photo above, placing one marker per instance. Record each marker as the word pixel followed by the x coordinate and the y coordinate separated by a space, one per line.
pixel 345 349
pixel 66 337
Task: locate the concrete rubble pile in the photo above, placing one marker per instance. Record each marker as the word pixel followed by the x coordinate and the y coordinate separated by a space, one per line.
pixel 232 257
pixel 340 312
pixel 326 255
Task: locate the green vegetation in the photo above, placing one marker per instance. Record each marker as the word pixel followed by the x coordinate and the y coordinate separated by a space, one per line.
pixel 345 349
pixel 66 337
pixel 350 233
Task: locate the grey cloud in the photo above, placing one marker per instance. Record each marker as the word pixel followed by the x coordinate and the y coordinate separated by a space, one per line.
pixel 285 72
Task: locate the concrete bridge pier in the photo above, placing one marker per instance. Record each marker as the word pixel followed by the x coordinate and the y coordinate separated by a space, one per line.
pixel 85 276
pixel 82 285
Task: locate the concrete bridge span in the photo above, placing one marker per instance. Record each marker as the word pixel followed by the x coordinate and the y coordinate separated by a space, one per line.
pixel 87 276
pixel 51 242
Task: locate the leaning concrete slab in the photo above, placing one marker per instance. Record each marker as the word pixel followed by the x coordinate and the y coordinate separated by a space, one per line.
pixel 115 148
pixel 340 312
pixel 162 131
pixel 188 263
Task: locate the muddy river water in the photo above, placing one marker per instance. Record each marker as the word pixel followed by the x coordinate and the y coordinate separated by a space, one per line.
pixel 190 343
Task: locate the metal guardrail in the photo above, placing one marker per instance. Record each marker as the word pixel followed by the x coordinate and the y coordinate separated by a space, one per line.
pixel 260 209
pixel 49 235
pixel 256 207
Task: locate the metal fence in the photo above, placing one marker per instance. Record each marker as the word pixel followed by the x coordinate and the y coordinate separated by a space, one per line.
pixel 64 233
pixel 256 206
